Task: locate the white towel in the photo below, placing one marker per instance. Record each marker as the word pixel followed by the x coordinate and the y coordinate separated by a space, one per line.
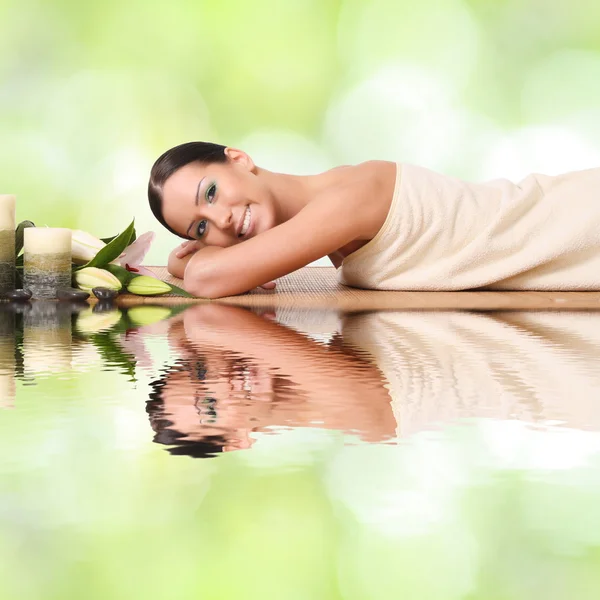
pixel 442 233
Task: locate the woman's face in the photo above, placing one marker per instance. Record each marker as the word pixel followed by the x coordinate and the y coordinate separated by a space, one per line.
pixel 220 204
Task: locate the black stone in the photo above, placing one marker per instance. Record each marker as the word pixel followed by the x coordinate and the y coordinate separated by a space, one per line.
pixel 104 293
pixel 17 295
pixel 72 294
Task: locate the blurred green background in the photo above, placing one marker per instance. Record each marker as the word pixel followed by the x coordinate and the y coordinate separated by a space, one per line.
pixel 92 93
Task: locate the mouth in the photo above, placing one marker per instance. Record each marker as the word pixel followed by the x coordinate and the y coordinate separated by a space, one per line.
pixel 244 224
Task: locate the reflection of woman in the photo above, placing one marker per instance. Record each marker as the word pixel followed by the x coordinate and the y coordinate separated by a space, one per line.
pixel 239 372
pixel 534 366
pixel 388 225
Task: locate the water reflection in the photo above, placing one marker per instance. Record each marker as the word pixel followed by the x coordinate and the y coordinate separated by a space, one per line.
pixel 381 376
pixel 7 357
pixel 236 374
pixel 46 338
pixel 493 508
pixel 540 367
pixel 240 372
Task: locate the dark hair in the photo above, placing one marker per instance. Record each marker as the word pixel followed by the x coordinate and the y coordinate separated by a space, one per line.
pixel 171 161
pixel 208 446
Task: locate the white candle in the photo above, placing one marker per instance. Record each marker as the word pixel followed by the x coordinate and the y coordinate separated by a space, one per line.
pixel 7 242
pixel 47 240
pixel 47 260
pixel 7 211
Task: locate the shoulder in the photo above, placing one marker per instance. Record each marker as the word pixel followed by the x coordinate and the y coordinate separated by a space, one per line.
pixel 375 177
pixel 363 192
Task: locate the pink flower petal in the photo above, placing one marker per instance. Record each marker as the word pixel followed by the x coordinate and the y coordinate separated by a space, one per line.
pixel 144 271
pixel 134 254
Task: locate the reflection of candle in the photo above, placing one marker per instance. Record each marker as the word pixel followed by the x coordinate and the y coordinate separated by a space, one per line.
pixel 47 338
pixel 7 357
pixel 7 242
pixel 47 261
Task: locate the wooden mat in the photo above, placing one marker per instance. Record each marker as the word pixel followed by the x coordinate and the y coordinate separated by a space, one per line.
pixel 317 287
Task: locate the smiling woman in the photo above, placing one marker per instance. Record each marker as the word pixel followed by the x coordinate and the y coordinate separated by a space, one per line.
pixel 248 225
pixel 389 226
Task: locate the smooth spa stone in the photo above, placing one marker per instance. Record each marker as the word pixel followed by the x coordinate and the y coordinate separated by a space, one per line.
pixel 22 295
pixel 103 293
pixel 72 294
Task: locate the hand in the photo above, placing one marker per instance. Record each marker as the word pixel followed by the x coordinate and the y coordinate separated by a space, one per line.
pixel 188 247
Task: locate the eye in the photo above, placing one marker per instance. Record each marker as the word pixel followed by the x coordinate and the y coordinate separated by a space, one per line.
pixel 210 192
pixel 201 229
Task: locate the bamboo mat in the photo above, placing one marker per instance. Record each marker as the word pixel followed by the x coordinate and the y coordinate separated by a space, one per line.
pixel 317 287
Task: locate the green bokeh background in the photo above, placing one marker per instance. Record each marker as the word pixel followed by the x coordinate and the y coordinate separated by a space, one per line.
pixel 92 93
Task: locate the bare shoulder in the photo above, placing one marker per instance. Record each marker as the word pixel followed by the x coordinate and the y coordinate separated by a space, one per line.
pixel 366 190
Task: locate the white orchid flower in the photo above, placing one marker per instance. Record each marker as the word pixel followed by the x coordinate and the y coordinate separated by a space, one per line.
pixel 84 246
pixel 90 277
pixel 134 254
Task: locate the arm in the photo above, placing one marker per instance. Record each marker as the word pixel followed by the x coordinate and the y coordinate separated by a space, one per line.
pixel 176 265
pixel 318 229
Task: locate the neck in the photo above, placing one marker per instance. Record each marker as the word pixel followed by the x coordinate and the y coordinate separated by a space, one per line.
pixel 290 193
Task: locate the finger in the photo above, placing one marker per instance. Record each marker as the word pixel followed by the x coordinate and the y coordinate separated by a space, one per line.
pixel 185 249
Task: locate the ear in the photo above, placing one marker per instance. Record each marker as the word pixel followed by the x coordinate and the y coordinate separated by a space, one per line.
pixel 239 157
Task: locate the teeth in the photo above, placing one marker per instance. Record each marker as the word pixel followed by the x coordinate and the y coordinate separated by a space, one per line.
pixel 246 222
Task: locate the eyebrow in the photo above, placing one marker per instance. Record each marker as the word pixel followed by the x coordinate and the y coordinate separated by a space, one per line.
pixel 196 203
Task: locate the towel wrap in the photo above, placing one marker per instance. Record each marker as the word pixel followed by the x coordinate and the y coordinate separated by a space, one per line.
pixel 442 233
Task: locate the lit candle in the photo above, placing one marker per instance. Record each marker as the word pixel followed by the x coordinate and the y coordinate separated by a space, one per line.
pixel 47 260
pixel 7 242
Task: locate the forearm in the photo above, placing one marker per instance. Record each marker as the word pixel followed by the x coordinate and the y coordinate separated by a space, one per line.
pixel 201 274
pixel 176 266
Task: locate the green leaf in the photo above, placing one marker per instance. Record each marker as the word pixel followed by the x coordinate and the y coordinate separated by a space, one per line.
pixel 177 291
pixel 121 273
pixel 19 235
pixel 112 250
pixel 110 239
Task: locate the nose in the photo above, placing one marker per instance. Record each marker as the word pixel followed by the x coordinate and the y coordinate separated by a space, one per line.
pixel 224 218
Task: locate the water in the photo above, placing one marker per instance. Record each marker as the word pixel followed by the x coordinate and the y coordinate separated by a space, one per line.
pixel 215 452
